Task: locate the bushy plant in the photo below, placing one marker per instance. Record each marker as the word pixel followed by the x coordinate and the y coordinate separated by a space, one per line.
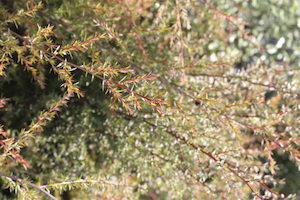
pixel 144 99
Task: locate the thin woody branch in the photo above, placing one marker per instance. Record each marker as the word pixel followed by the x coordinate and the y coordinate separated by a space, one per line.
pixel 22 181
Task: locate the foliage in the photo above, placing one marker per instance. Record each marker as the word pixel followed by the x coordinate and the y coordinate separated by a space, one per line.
pixel 148 99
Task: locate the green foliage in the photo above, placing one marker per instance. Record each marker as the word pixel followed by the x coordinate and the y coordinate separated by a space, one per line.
pixel 148 99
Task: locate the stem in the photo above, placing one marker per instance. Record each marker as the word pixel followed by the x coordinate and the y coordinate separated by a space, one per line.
pixel 22 181
pixel 83 181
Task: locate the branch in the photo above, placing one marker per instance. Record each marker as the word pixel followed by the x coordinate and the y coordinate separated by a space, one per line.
pixel 152 102
pixel 22 181
pixel 83 181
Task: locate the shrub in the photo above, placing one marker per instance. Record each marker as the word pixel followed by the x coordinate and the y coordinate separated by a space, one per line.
pixel 144 100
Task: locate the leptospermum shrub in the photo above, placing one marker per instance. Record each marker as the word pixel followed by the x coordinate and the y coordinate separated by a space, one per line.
pixel 144 99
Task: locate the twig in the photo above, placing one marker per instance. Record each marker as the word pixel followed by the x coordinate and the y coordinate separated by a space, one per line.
pixel 117 84
pixel 22 181
pixel 83 181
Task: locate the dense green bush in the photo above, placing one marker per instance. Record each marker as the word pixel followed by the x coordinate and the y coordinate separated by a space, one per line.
pixel 144 99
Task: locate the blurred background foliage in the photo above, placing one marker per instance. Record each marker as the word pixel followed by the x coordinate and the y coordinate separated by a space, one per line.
pixel 95 136
pixel 276 26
